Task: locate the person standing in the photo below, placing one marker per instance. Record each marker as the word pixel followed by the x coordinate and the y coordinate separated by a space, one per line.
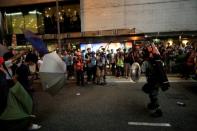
pixel 126 64
pixel 152 66
pixel 23 74
pixel 88 65
pixel 120 64
pixel 9 67
pixel 79 68
pixel 94 66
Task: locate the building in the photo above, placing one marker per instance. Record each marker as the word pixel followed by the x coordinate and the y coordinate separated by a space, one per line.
pixel 39 17
pixel 155 18
pixel 115 20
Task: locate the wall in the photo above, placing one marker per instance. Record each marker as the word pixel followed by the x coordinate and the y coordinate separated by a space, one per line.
pixel 144 15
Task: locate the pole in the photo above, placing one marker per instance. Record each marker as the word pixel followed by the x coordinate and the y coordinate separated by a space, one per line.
pixel 58 26
pixel 1 29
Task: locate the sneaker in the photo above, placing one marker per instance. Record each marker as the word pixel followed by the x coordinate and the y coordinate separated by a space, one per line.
pixel 156 113
pixel 34 127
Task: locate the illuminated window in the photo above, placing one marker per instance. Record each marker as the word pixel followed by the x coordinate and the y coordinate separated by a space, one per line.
pixel 17 21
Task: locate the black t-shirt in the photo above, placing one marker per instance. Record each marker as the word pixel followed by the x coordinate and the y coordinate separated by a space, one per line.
pixel 31 57
pixel 23 72
pixel 3 91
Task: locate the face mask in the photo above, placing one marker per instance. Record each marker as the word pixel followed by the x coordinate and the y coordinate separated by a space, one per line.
pixel 8 63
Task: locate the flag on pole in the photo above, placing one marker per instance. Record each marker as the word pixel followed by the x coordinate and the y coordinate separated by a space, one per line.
pixel 36 42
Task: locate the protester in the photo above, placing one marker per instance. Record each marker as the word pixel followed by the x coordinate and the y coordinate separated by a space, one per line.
pixel 156 78
pixel 9 67
pixel 23 75
pixel 3 87
pixel 15 103
pixel 88 65
pixel 33 59
pixel 40 61
pixel 79 68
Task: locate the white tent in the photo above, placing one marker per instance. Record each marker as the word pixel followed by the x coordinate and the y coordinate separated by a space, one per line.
pixel 52 73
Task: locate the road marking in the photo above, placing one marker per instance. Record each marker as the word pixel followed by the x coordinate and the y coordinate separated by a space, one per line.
pixel 123 81
pixel 149 124
pixel 130 81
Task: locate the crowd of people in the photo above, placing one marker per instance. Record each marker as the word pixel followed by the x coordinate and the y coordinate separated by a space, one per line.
pixel 155 61
pixel 20 68
pixel 96 65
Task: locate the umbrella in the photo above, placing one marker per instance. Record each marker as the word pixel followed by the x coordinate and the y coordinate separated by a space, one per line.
pixel 52 73
pixel 3 50
pixel 37 42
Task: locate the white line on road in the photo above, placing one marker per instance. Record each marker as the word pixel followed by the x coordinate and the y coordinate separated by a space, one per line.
pixel 130 81
pixel 149 124
pixel 123 81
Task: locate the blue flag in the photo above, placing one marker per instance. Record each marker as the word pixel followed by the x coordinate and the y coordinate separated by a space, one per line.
pixel 36 42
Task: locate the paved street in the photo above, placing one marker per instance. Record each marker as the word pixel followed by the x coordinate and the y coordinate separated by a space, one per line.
pixel 118 106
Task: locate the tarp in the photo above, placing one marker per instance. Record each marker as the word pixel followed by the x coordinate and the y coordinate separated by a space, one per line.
pixel 52 73
pixel 19 104
pixel 36 42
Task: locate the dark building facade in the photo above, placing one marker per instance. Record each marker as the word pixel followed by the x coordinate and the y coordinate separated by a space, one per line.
pixel 38 16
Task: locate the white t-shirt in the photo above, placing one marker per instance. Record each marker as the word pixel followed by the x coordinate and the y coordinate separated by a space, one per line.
pixel 8 65
pixel 40 62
